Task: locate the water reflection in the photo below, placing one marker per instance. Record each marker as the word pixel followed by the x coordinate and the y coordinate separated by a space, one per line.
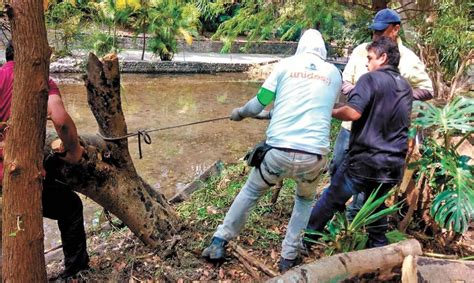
pixel 175 156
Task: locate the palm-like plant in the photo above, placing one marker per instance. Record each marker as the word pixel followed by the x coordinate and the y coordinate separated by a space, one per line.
pixel 344 236
pixel 453 206
pixel 168 20
pixel 111 13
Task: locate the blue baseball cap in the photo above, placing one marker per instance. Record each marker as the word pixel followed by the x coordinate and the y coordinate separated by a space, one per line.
pixel 384 18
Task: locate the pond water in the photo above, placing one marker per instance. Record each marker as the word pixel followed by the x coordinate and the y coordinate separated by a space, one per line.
pixel 175 157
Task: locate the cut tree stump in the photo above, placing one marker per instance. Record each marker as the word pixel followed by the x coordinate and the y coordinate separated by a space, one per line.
pixel 348 265
pixel 107 174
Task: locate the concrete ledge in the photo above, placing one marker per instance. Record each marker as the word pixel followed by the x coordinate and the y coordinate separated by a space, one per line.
pixel 70 65
pixel 180 67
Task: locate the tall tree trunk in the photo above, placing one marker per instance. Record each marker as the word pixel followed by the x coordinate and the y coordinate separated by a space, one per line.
pixel 22 233
pixel 144 40
pixel 378 5
pixel 108 175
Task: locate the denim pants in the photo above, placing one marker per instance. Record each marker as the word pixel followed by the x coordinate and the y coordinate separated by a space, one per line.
pixel 343 186
pixel 341 147
pixel 304 168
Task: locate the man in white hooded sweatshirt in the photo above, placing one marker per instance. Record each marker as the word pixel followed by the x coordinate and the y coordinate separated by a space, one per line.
pixel 304 88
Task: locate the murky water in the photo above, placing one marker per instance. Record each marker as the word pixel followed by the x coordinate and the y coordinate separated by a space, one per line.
pixel 175 157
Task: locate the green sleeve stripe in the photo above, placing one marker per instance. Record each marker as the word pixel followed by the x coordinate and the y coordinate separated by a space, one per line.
pixel 265 96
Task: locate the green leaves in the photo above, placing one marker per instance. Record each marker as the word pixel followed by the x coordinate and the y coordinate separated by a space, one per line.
pixel 456 115
pixel 453 209
pixel 453 206
pixel 342 236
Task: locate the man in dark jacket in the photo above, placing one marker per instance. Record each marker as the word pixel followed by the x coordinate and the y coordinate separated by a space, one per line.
pixel 379 106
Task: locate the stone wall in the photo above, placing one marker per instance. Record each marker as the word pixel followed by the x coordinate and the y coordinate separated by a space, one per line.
pixel 206 45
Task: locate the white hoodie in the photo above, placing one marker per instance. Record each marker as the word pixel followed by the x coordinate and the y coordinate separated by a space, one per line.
pixel 306 88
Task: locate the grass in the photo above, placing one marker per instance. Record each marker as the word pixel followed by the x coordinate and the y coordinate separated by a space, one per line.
pixel 207 207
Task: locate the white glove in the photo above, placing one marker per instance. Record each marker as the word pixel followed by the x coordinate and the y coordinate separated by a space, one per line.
pixel 235 115
pixel 264 115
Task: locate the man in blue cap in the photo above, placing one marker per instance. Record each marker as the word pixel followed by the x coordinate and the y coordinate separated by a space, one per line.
pixel 386 23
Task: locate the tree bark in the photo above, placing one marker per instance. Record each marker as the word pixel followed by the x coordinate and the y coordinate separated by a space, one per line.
pixel 348 265
pixel 108 175
pixel 443 270
pixel 22 233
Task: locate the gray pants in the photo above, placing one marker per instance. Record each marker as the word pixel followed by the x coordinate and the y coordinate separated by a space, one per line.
pixel 304 169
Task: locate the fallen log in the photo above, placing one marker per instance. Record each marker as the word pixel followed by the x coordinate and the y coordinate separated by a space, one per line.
pixel 348 265
pixel 197 183
pixel 444 270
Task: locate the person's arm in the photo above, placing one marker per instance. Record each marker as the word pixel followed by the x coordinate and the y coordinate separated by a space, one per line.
pixel 346 113
pixel 422 94
pixel 347 87
pixel 265 96
pixel 418 77
pixel 251 109
pixel 359 99
pixel 65 128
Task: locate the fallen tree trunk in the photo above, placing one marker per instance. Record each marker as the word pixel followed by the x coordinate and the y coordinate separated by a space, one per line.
pixel 107 174
pixel 443 270
pixel 347 265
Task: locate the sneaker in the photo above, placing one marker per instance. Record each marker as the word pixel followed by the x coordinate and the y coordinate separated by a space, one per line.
pixel 286 264
pixel 216 250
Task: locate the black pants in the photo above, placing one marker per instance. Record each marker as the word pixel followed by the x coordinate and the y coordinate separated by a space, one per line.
pixel 65 206
pixel 334 198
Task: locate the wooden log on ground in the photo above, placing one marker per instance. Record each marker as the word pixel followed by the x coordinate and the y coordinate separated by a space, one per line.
pixel 348 265
pixel 196 184
pixel 444 270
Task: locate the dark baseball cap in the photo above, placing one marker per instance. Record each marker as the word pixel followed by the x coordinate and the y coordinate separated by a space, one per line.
pixel 384 18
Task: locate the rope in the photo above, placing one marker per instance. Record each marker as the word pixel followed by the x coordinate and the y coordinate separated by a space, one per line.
pixel 143 134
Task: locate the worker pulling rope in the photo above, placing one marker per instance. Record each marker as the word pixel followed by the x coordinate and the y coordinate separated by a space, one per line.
pixel 145 133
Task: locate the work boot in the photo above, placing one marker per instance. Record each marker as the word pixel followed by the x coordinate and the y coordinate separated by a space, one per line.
pixel 216 250
pixel 286 264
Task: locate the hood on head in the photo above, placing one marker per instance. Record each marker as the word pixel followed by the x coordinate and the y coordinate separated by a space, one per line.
pixel 312 42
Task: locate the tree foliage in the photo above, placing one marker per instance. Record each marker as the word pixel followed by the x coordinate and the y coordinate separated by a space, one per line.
pixel 64 18
pixel 444 35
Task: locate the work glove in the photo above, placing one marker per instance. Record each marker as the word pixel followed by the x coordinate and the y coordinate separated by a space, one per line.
pixel 235 115
pixel 264 115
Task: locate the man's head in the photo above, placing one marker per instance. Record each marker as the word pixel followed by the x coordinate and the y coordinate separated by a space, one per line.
pixel 382 51
pixel 9 52
pixel 312 42
pixel 386 23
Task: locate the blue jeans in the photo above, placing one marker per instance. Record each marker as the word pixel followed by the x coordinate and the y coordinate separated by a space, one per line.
pixel 304 168
pixel 334 198
pixel 341 147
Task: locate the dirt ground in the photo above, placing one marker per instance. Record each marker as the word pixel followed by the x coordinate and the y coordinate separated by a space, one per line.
pixel 116 254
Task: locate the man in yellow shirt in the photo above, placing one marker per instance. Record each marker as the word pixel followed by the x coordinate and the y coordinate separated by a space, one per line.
pixel 386 23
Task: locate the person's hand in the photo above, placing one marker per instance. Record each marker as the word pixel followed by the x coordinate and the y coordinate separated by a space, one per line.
pixel 264 115
pixel 235 115
pixel 74 156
